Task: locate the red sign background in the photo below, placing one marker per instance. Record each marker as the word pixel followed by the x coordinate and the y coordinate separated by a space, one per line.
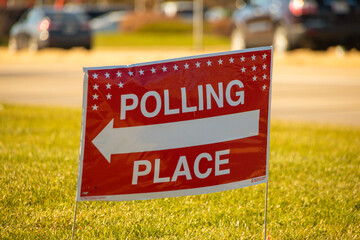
pixel 100 179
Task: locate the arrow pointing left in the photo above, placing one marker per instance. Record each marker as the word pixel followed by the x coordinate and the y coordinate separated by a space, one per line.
pixel 176 134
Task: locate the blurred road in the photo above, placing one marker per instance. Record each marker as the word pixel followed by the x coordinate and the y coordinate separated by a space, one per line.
pixel 308 86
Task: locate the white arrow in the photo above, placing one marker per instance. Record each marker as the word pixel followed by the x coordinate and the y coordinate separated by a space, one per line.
pixel 176 134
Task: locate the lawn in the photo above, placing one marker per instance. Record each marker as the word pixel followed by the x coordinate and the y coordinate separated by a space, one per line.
pixel 155 40
pixel 314 188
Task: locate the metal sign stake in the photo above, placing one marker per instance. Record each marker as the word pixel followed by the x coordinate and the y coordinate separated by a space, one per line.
pixel 73 227
pixel 266 195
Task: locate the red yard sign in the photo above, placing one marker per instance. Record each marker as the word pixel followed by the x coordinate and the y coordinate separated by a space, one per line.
pixel 176 127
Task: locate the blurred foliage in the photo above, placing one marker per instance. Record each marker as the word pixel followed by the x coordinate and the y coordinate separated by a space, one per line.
pixel 221 27
pixel 150 22
pixel 153 22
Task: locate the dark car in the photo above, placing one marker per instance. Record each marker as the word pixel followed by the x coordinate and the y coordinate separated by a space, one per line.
pixel 43 27
pixel 290 24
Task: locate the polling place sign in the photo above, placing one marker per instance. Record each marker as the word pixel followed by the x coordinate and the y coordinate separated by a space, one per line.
pixel 177 127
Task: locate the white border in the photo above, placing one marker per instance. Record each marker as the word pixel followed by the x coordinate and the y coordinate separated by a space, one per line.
pixel 269 113
pixel 176 193
pixel 82 136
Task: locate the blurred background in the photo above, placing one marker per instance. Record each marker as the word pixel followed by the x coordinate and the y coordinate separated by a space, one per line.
pixel 316 76
pixel 118 23
pixel 314 167
pixel 286 24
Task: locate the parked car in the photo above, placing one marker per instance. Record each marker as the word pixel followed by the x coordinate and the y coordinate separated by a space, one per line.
pixel 290 24
pixel 43 27
pixel 215 14
pixel 108 22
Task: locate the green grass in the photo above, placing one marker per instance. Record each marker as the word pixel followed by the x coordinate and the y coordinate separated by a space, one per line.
pixel 314 189
pixel 150 39
pixel 155 39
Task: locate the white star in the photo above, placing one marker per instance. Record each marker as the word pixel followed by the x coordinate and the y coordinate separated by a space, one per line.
pixel 95 96
pixel 242 58
pixel 264 56
pixel 243 69
pixel 209 63
pixel 153 70
pixel 220 61
pixel 264 66
pixel 131 73
pixel 164 69
pixel 108 86
pixel 253 57
pixel 264 76
pixel 253 68
pixel 264 87
pixel 176 67
pixel 121 85
pixel 94 107
pixel 197 64
pixel 186 66
pixel 141 72
pixel 118 74
pixel 107 75
pixel 108 96
pixel 231 60
pixel 95 76
pixel 254 78
pixel 96 87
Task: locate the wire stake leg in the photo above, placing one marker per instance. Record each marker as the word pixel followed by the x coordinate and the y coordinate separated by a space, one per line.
pixel 266 195
pixel 73 227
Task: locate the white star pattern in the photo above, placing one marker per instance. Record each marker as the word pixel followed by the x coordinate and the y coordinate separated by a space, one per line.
pixel 255 68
